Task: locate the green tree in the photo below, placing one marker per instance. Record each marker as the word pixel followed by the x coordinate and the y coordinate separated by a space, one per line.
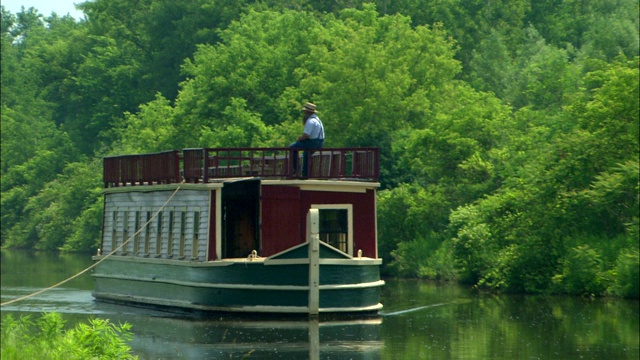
pixel 491 66
pixel 256 62
pixel 149 130
pixel 542 75
pixel 520 238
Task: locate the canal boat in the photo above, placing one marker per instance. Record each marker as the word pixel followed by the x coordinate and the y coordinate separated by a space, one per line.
pixel 241 230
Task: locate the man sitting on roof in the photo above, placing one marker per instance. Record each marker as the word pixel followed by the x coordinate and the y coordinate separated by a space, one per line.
pixel 311 138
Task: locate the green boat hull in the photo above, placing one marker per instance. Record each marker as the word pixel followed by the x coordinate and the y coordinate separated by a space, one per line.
pixel 278 284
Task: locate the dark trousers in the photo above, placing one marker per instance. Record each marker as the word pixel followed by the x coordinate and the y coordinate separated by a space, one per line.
pixel 304 144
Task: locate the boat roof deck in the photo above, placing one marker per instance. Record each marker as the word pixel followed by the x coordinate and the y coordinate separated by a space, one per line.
pixel 206 165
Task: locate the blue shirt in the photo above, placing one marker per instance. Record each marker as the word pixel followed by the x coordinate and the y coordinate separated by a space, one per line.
pixel 314 128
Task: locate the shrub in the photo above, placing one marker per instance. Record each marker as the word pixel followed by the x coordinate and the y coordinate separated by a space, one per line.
pixel 626 278
pixel 425 258
pixel 47 339
pixel 581 272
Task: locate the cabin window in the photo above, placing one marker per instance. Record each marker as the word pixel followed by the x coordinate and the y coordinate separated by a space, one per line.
pixel 159 235
pixel 125 231
pixel 147 234
pixel 336 226
pixel 183 231
pixel 114 230
pixel 196 234
pixel 136 240
pixel 170 242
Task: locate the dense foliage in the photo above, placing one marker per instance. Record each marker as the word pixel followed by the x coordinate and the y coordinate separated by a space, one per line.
pixel 46 338
pixel 508 130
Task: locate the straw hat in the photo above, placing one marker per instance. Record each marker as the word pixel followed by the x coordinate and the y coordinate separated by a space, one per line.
pixel 309 107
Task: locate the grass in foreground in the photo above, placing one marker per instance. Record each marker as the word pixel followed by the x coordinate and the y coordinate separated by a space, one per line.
pixel 46 338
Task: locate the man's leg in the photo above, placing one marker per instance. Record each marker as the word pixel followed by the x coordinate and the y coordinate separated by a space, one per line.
pixel 310 144
pixel 294 155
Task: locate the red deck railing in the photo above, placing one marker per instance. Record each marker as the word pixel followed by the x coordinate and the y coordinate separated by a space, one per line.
pixel 127 170
pixel 205 165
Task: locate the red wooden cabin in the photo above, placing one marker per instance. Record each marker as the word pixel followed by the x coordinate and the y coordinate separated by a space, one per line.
pixel 256 201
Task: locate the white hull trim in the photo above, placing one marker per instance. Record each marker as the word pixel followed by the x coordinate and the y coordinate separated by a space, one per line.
pixel 229 262
pixel 245 309
pixel 241 286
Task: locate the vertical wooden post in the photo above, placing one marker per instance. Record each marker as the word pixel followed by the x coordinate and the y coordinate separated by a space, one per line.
pixel 313 226
pixel 314 339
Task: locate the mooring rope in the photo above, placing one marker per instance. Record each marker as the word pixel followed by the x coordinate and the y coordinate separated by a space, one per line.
pixel 412 309
pixel 99 261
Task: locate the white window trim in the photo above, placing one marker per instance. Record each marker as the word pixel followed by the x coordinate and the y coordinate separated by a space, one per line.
pixel 349 208
pixel 195 231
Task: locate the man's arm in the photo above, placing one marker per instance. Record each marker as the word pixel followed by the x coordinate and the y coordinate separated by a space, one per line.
pixel 303 137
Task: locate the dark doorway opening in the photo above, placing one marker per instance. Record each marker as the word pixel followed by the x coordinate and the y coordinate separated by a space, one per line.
pixel 240 218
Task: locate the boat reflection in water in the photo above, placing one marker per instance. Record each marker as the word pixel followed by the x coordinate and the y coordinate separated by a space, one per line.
pixel 262 338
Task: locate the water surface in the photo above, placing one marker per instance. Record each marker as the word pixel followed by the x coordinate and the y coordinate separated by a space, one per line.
pixel 420 320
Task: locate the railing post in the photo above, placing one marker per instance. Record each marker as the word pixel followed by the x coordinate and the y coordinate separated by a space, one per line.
pixel 376 164
pixel 313 226
pixel 205 165
pixel 176 166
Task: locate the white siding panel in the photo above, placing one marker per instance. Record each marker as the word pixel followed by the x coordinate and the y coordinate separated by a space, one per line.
pixel 130 202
